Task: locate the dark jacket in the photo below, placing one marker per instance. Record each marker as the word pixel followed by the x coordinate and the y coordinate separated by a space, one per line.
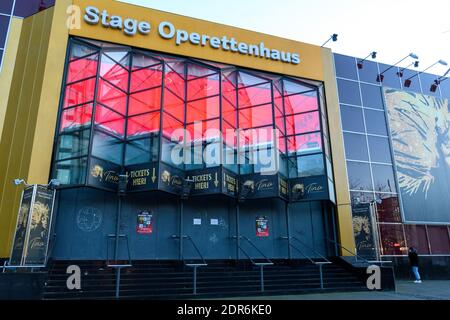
pixel 413 259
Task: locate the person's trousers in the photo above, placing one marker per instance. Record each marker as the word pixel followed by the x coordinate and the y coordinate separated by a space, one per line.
pixel 415 270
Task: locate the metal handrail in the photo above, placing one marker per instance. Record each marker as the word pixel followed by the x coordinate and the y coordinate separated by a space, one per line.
pixel 298 250
pixel 259 251
pixel 111 236
pixel 312 249
pixel 364 260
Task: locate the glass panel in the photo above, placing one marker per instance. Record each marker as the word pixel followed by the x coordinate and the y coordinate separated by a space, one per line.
pixel 195 71
pixel 304 144
pixel 369 72
pixel 144 101
pixel 144 124
pixel 109 120
pixel 416 236
pixel 173 105
pixel 245 79
pixel 73 145
pixel 172 153
pixel 375 122
pixel 361 197
pixel 230 158
pixel 203 109
pixel 141 60
pixel 391 77
pixel 310 165
pixel 254 96
pixel 122 57
pixel 71 171
pixel 427 80
pixel 392 239
pixel 141 151
pixel 170 124
pixel 345 66
pixel 439 239
pixel 203 131
pixel 255 117
pixel 415 84
pixel 229 113
pixel 291 87
pixel 107 148
pixel 279 121
pixel 355 147
pixel 301 103
pixel 203 87
pixel 359 176
pixel 371 96
pixel 383 178
pixel 379 149
pixel 388 208
pixel 174 82
pixel 78 50
pixel 6 6
pixel 352 119
pixel 349 92
pixel 114 73
pixel 302 123
pixel 146 78
pixel 229 134
pixel 76 118
pixel 112 97
pixel 79 93
pixel 253 137
pixel 82 68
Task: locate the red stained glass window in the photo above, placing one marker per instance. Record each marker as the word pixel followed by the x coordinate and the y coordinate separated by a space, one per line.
pixel 146 78
pixel 143 124
pixel 114 73
pixel 144 101
pixel 170 124
pixel 111 97
pixel 255 117
pixel 82 68
pixel 79 93
pixel 203 131
pixel 76 118
pixel 281 143
pixel 229 134
pixel 203 109
pixel 301 123
pixel 173 105
pixel 253 96
pixel 279 120
pixel 203 87
pixel 304 144
pixel 301 103
pixel 109 120
pixel 174 82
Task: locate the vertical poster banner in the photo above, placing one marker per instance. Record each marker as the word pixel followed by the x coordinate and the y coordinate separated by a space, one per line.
pixel 262 227
pixel 363 231
pixel 144 223
pixel 21 227
pixel 39 227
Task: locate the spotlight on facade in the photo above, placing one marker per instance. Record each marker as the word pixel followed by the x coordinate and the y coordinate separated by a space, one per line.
pixel 438 81
pixel 414 64
pixel 186 188
pixel 373 55
pixel 333 37
pixel 298 191
pixel 247 188
pixel 408 81
pixel 123 182
pixel 18 182
pixel 380 77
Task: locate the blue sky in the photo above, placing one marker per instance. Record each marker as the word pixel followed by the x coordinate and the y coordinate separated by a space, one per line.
pixel 393 28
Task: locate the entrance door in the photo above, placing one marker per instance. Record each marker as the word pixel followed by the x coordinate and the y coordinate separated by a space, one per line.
pixel 210 224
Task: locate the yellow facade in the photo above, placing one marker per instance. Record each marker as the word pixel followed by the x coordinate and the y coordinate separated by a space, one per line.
pixel 33 72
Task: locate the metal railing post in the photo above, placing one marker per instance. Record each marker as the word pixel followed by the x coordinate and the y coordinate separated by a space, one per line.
pixel 321 276
pixel 262 277
pixel 118 282
pixel 195 279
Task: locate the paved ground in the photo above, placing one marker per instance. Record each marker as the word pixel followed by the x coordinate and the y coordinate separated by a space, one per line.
pixel 406 290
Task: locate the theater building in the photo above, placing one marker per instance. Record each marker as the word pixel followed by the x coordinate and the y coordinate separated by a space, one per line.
pixel 178 139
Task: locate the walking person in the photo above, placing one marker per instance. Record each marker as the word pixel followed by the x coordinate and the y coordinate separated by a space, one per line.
pixel 414 263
